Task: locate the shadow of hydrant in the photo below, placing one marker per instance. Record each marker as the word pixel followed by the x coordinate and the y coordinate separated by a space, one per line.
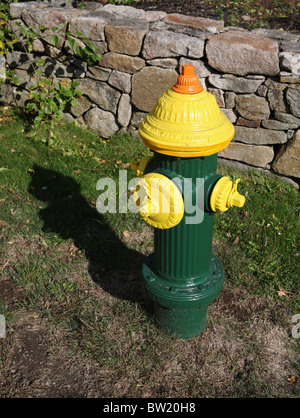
pixel 112 265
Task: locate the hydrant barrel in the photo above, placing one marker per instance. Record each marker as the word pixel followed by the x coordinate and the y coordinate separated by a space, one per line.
pixel 183 253
pixel 185 131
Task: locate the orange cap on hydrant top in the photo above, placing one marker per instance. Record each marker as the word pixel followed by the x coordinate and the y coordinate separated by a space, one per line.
pixel 187 82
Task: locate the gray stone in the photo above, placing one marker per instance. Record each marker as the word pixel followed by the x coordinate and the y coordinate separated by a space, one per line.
pixel 291 62
pixel 200 70
pixel 252 107
pixel 121 62
pixel 277 34
pixel 218 95
pixel 154 15
pixel 124 11
pixel 277 125
pixel 229 99
pixel 160 44
pixel 101 122
pixel 20 60
pixel 293 47
pixel 170 63
pixel 16 9
pixel 100 93
pixel 236 84
pixel 6 94
pixel 49 18
pixel 51 68
pixel 287 161
pixel 149 84
pixel 258 156
pixel 124 110
pixel 273 85
pixel 248 123
pixel 293 99
pixel 99 73
pixel 38 46
pixel 243 53
pixel 289 78
pixel 120 80
pixel 90 27
pixel 2 67
pixel 230 114
pixel 287 118
pixel 259 136
pixel 137 118
pixel 125 36
pixel 23 78
pixel 201 23
pixel 20 97
pixel 83 105
pixel 67 117
pixel 262 91
pixel 277 101
pixel 162 25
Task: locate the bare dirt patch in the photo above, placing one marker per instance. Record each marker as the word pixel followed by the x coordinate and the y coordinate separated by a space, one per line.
pixel 241 352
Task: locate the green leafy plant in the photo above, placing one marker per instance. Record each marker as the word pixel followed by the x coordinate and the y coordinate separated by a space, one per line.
pixel 49 102
pixel 7 36
pixel 49 98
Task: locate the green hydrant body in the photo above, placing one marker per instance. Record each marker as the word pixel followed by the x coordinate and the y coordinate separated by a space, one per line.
pixel 182 276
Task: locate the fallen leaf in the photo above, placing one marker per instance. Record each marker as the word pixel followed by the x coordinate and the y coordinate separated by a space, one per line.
pixel 11 190
pixel 13 212
pixel 236 241
pixel 72 250
pixel 282 292
pixel 76 171
pixel 2 224
pixel 126 234
pixel 294 379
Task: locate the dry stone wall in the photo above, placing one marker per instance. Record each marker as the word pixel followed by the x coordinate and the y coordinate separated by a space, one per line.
pixel 254 75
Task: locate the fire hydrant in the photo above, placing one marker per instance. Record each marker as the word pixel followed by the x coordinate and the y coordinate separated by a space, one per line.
pixel 185 130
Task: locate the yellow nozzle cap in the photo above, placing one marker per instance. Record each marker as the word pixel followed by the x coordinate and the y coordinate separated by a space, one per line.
pixel 237 200
pixel 225 195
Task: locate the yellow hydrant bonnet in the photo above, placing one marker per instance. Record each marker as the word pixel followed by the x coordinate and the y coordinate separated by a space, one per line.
pixel 186 121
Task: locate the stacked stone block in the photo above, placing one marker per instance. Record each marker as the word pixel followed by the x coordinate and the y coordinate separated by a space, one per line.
pixel 254 75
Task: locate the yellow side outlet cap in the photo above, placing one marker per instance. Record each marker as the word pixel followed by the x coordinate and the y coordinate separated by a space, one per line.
pixel 159 200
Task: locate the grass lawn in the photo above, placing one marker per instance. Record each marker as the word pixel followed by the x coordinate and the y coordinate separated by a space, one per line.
pixel 76 324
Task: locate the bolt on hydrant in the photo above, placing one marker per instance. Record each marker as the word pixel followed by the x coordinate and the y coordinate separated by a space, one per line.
pixel 185 130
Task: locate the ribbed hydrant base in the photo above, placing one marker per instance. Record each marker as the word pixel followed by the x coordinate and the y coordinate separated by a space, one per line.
pixel 181 311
